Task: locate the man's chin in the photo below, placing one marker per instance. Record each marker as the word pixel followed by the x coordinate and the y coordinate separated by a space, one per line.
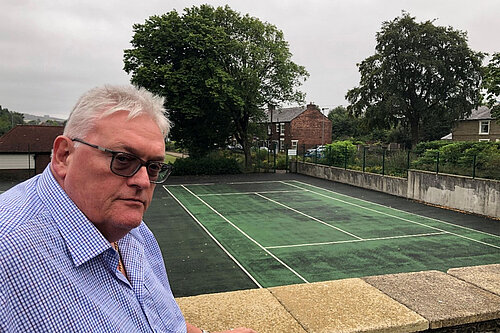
pixel 128 221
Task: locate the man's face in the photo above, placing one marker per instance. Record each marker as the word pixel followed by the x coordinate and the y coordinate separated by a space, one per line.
pixel 115 204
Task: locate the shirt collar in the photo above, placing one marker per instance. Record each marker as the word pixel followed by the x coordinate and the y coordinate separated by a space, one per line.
pixel 82 238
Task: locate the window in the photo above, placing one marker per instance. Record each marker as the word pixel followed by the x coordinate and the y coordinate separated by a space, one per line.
pixel 484 140
pixel 277 128
pixel 282 144
pixel 295 143
pixel 484 127
pixel 269 130
pixel 282 128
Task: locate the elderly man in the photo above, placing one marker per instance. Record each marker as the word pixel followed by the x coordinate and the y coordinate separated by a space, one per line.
pixel 75 254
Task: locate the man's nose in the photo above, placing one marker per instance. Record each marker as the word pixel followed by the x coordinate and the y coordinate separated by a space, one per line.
pixel 140 178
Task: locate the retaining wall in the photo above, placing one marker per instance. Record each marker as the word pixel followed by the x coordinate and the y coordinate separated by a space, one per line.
pixel 464 300
pixel 478 196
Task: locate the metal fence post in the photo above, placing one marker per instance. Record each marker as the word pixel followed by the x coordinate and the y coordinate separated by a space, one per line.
pixel 257 155
pixel 437 163
pixel 345 157
pixel 286 158
pixel 408 163
pixel 383 161
pixel 303 152
pixel 275 147
pixel 474 167
pixel 364 158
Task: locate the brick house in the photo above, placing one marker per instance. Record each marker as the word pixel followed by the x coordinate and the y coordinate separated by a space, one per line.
pixel 25 150
pixel 298 127
pixel 479 126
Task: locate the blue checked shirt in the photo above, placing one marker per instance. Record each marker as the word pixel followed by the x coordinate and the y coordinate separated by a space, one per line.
pixel 59 274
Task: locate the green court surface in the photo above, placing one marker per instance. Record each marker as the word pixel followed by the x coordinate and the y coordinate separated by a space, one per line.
pixel 270 233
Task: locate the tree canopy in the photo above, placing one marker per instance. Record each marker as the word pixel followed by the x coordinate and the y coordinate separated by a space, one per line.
pixel 218 70
pixel 9 119
pixel 344 125
pixel 423 77
pixel 491 83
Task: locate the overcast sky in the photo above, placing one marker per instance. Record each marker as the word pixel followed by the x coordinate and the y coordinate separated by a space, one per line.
pixel 53 51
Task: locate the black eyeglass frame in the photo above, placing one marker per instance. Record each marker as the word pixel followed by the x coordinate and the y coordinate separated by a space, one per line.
pixel 114 153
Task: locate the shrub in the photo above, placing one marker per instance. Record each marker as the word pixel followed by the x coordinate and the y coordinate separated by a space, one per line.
pixel 214 164
pixel 423 146
pixel 336 152
pixel 281 162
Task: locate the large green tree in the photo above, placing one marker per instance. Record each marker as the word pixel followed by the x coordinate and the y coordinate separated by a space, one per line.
pixel 218 70
pixel 421 76
pixel 491 84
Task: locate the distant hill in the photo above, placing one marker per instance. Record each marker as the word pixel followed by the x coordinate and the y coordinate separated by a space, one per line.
pixel 29 117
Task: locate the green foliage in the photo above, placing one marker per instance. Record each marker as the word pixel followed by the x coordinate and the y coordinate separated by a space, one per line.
pixel 171 145
pixel 423 146
pixel 212 164
pixel 491 83
pixel 9 119
pixel 338 151
pixel 281 162
pixel 423 77
pixel 344 125
pixel 459 158
pixel 218 70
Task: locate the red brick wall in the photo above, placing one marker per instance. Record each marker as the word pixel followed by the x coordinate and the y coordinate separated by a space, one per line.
pixel 311 128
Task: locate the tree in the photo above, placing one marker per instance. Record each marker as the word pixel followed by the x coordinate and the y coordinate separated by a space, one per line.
pixel 491 82
pixel 420 76
pixel 9 119
pixel 218 71
pixel 344 125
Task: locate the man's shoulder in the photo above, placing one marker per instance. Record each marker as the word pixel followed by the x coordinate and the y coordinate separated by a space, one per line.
pixel 19 205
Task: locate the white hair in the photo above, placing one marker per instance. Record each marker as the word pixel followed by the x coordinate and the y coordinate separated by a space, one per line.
pixel 104 101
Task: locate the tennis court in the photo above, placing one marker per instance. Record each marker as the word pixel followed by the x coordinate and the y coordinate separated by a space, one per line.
pixel 279 232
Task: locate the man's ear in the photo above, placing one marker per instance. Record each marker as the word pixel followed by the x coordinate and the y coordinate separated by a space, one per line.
pixel 61 156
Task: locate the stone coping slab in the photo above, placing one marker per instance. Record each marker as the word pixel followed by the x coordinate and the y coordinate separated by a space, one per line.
pixel 255 308
pixel 442 299
pixel 485 276
pixel 349 305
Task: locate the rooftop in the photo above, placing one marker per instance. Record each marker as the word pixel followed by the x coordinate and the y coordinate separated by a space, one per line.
pixel 29 138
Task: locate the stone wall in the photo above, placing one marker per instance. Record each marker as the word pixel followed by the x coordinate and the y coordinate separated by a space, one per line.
pixel 463 300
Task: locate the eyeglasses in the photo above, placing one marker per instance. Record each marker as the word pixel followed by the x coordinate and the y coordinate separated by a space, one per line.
pixel 127 165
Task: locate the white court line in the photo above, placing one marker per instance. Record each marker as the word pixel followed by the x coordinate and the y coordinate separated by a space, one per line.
pixel 257 182
pixel 247 236
pixel 392 208
pixel 245 193
pixel 390 215
pixel 213 238
pixel 230 183
pixel 195 184
pixel 355 240
pixel 309 216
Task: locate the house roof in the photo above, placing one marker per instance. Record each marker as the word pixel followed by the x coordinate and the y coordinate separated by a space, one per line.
pixel 482 112
pixel 284 114
pixel 29 138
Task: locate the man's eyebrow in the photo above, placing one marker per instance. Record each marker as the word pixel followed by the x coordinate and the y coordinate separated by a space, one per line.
pixel 133 151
